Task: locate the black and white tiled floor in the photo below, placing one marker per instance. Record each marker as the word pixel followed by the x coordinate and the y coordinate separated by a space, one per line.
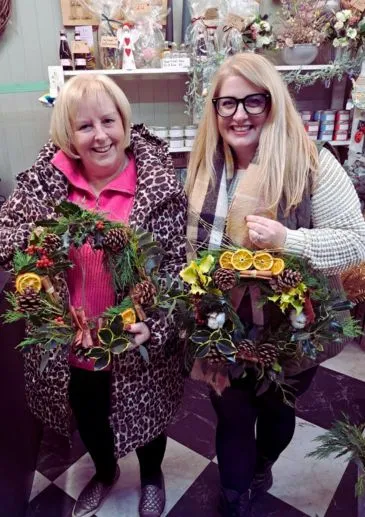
pixel 302 486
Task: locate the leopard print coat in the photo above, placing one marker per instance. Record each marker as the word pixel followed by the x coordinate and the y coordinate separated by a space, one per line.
pixel 144 396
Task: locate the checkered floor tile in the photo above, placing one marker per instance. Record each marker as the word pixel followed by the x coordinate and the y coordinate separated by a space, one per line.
pixel 302 486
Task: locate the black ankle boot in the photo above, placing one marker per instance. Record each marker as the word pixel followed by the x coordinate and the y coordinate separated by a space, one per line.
pixel 233 504
pixel 262 481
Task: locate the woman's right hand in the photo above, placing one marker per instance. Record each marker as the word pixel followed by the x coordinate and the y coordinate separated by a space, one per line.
pixel 141 332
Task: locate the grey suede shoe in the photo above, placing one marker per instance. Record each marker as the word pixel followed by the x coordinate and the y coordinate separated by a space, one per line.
pixel 152 501
pixel 93 496
pixel 263 480
pixel 233 504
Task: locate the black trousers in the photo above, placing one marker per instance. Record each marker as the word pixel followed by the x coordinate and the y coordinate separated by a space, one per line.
pixel 239 410
pixel 89 396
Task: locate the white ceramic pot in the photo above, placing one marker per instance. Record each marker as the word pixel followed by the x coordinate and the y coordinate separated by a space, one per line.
pixel 301 54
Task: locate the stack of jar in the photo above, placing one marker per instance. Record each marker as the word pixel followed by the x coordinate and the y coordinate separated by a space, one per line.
pixel 327 125
pixel 176 136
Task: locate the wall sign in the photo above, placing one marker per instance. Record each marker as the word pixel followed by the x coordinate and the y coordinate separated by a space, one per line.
pixel 74 13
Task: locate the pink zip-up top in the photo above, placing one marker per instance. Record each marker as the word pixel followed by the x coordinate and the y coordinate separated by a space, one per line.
pixel 89 283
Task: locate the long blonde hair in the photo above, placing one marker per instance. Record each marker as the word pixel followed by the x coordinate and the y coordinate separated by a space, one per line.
pixel 287 158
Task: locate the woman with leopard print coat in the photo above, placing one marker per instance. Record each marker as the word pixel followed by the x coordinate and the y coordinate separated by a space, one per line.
pixel 96 161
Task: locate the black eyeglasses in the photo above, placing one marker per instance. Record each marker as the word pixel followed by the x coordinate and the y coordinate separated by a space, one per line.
pixel 253 104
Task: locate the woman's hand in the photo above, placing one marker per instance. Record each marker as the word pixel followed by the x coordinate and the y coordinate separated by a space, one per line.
pixel 265 233
pixel 141 332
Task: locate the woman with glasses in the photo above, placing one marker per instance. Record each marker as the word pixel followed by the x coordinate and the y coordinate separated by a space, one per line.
pixel 255 176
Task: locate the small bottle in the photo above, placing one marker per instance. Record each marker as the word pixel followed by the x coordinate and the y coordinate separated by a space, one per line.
pixel 79 59
pixel 65 52
pixel 166 50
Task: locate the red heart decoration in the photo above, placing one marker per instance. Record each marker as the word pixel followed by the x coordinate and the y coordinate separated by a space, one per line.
pixel 128 51
pixel 127 41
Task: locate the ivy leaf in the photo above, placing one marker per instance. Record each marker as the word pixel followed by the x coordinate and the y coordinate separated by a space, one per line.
pixel 105 336
pixel 116 326
pixel 96 352
pixel 144 353
pixel 102 362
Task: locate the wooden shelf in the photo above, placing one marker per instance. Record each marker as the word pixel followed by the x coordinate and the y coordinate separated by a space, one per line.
pixel 180 71
pixel 179 149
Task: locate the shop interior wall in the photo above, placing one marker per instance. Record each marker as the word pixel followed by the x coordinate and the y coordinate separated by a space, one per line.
pixel 29 45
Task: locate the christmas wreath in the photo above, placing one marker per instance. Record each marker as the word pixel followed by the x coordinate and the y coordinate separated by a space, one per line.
pixel 41 296
pixel 303 313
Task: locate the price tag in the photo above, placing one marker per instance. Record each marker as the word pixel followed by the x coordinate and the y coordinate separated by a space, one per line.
pixel 211 13
pixel 358 4
pixel 109 42
pixel 79 47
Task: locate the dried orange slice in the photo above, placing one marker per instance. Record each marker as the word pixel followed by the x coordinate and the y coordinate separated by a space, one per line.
pixel 263 261
pixel 225 260
pixel 278 266
pixel 128 316
pixel 28 280
pixel 242 259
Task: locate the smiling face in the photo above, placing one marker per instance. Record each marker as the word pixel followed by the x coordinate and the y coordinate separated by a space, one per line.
pixel 99 137
pixel 241 131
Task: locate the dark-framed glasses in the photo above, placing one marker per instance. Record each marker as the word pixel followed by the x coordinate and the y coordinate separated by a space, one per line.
pixel 253 104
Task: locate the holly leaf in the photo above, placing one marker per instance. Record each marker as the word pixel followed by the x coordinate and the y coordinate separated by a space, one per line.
pixel 226 347
pixel 68 209
pixel 102 362
pixel 119 345
pixel 96 352
pixel 200 337
pixel 144 353
pixel 44 362
pixel 202 351
pixel 105 336
pixel 116 325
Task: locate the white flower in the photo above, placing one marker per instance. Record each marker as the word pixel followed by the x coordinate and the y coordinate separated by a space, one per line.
pixel 265 26
pixel 338 25
pixel 340 16
pixel 298 321
pixel 351 33
pixel 255 27
pixel 347 13
pixel 263 40
pixel 216 320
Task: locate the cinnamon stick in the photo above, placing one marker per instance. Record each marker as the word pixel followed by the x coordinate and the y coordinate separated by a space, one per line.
pixel 253 273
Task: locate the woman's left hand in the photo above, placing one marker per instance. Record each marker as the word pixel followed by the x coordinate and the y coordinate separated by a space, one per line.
pixel 265 233
pixel 141 332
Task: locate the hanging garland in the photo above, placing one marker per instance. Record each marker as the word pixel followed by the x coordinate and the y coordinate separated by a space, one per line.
pixel 132 258
pixel 202 73
pixel 5 8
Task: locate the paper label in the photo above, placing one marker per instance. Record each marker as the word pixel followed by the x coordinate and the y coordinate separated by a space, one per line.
pixel 109 42
pixel 86 34
pixel 358 4
pixel 235 21
pixel 79 47
pixel 56 80
pixel 211 13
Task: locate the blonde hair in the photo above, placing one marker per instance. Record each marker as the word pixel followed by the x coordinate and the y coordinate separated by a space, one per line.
pixel 72 95
pixel 287 158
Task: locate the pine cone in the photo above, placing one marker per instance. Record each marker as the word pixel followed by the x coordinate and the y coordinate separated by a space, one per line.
pixel 225 279
pixel 286 280
pixel 267 354
pixel 246 351
pixel 144 292
pixel 215 357
pixel 116 239
pixel 28 301
pixel 51 243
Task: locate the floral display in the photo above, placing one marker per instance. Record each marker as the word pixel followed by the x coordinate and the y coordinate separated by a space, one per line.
pixel 346 29
pixel 302 22
pixel 41 296
pixel 303 311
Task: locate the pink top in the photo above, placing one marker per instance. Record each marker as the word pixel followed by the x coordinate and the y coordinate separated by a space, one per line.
pixel 90 284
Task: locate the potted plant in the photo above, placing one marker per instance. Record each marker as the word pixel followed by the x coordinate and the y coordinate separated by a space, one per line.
pixel 301 29
pixel 341 439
